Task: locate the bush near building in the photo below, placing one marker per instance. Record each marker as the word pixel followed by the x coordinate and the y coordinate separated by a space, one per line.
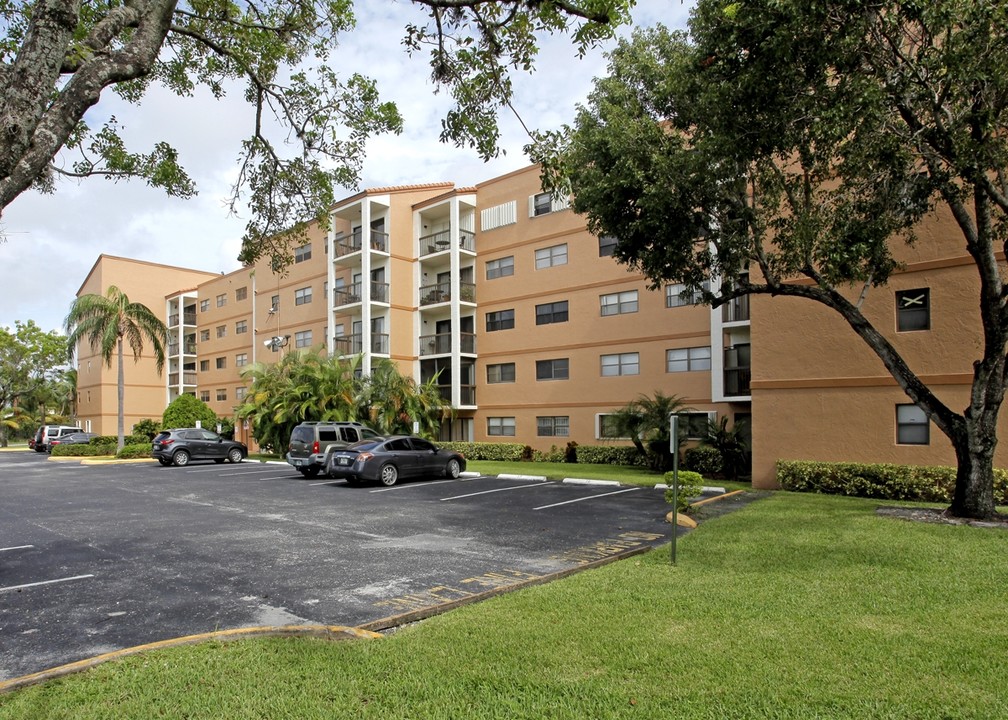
pixel 919 483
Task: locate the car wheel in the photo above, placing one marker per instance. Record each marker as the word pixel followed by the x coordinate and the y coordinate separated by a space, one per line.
pixel 181 458
pixel 310 472
pixel 234 455
pixel 388 475
pixel 453 469
pixel 164 461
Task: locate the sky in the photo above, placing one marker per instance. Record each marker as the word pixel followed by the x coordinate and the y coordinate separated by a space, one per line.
pixel 51 241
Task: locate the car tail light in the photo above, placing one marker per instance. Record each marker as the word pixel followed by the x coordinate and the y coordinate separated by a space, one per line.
pixel 364 457
pixel 315 447
pixel 166 443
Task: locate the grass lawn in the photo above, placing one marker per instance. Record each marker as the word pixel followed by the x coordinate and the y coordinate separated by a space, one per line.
pixel 796 606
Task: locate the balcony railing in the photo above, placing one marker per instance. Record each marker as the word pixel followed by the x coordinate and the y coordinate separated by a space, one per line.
pixel 467 394
pixel 440 344
pixel 736 310
pixel 188 318
pixel 354 344
pixel 379 292
pixel 440 241
pixel 736 381
pixel 348 243
pixel 189 348
pixel 441 293
pixel 349 295
pixel 188 378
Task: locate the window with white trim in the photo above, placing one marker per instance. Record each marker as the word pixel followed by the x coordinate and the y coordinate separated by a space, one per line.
pixel 241 327
pixel 912 426
pixel 621 364
pixel 222 363
pixel 303 296
pixel 549 313
pixel 221 331
pixel 241 359
pixel 501 426
pixel 500 267
pixel 619 303
pixel 302 253
pixel 303 339
pixel 551 256
pixel 500 320
pixel 222 300
pixel 222 393
pixel 688 359
pixel 676 295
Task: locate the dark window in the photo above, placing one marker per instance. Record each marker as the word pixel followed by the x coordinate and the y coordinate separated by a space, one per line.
pixel 558 369
pixel 501 373
pixel 500 320
pixel 607 246
pixel 913 310
pixel 555 312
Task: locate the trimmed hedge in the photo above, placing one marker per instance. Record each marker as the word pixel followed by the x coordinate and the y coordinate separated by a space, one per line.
pixel 515 452
pixel 690 485
pixel 134 451
pixel 919 483
pixel 92 449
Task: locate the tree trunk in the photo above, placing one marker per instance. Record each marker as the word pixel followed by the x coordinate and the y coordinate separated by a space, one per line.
pixel 974 448
pixel 121 390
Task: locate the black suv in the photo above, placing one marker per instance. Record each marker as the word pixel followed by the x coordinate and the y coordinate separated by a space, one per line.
pixel 310 440
pixel 181 445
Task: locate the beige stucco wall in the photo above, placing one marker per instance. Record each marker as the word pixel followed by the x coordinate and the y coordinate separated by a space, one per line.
pixel 145 395
pixel 819 392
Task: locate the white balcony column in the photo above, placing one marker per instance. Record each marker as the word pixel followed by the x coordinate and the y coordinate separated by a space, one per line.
pixel 365 290
pixel 454 238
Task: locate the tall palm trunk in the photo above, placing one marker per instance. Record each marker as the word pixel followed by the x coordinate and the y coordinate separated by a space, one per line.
pixel 121 393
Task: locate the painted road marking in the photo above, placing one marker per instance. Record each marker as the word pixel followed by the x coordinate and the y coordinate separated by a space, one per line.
pixel 409 485
pixel 487 492
pixel 589 497
pixel 44 582
pixel 16 547
pixel 607 548
pixel 444 594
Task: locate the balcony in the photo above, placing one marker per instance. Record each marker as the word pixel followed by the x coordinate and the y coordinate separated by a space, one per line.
pixel 440 344
pixel 354 344
pixel 188 318
pixel 441 293
pixel 351 295
pixel 736 381
pixel 467 394
pixel 188 347
pixel 440 241
pixel 188 378
pixel 736 310
pixel 349 243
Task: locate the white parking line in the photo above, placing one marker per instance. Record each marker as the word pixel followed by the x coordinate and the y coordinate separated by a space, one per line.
pixel 590 497
pixel 415 485
pixel 326 482
pixel 16 547
pixel 44 582
pixel 250 472
pixel 487 492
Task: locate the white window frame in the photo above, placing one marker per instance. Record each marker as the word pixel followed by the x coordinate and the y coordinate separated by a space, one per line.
pixel 912 425
pixel 303 296
pixel 695 359
pixel 501 427
pixel 622 362
pixel 619 303
pixel 552 256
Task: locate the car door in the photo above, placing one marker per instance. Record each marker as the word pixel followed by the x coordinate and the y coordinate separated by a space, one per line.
pixel 427 461
pixel 213 445
pixel 402 455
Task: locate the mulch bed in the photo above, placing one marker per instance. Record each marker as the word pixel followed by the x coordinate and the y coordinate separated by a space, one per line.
pixel 937 515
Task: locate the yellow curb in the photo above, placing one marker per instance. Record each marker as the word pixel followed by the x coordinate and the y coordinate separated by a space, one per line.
pixel 113 461
pixel 717 497
pixel 326 632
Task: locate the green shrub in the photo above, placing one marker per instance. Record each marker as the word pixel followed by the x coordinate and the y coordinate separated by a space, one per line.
pixel 921 483
pixel 553 455
pixel 498 452
pixel 185 410
pixel 147 428
pixel 690 485
pixel 703 459
pixel 135 450
pixel 610 455
pixel 92 449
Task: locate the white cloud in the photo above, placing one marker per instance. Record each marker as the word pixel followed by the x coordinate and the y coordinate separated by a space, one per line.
pixel 52 241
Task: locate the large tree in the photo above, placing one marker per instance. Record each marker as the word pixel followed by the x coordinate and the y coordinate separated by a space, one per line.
pixel 108 322
pixel 57 57
pixel 29 358
pixel 788 148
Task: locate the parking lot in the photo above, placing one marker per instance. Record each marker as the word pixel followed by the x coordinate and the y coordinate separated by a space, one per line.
pixel 95 558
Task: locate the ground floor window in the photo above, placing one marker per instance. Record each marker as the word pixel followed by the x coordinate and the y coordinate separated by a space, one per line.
pixel 912 426
pixel 501 426
pixel 553 426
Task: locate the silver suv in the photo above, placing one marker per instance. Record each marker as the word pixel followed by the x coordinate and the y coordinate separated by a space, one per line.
pixel 310 441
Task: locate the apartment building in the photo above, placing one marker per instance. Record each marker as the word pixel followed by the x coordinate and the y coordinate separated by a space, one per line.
pixel 536 335
pixel 97 394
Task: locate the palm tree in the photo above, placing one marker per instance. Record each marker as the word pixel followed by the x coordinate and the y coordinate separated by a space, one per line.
pixel 646 422
pixel 107 322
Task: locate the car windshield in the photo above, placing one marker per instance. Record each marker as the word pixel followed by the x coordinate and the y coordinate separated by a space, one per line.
pixel 303 434
pixel 161 436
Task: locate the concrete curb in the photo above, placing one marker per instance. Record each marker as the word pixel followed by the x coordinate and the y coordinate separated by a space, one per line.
pixel 684 520
pixel 589 481
pixel 537 478
pixel 326 632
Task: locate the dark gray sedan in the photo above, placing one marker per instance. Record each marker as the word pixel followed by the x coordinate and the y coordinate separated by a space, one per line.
pixel 386 460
